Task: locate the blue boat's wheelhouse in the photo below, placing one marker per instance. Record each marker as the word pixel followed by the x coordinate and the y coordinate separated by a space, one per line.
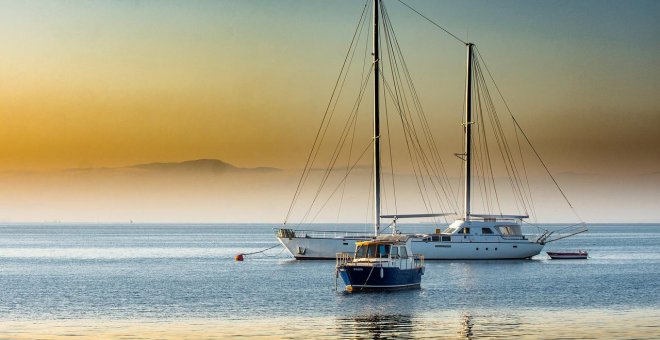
pixel 383 263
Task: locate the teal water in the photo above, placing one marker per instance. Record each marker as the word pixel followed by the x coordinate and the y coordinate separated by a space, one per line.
pixel 181 275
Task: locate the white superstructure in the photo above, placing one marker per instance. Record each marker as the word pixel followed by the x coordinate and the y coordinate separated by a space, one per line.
pixel 477 239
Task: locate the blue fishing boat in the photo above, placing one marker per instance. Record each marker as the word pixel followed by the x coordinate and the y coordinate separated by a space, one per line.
pixel 383 263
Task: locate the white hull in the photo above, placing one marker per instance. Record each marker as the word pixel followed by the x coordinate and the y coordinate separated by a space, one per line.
pixel 313 248
pixel 459 248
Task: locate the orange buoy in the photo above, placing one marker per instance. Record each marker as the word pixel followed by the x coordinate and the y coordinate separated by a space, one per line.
pixel 238 257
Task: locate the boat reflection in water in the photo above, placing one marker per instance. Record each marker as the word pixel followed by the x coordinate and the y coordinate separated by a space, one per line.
pixel 378 326
pixel 466 331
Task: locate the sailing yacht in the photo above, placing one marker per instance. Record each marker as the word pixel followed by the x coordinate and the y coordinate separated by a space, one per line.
pixel 472 236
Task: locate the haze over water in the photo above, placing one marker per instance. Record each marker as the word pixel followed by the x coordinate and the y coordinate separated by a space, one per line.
pixel 171 281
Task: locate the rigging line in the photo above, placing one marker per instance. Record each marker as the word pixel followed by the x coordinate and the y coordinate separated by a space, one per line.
pixel 479 124
pixel 423 163
pixel 356 106
pixel 514 168
pixel 476 155
pixel 344 135
pixel 409 122
pixel 389 146
pixel 348 163
pixel 433 22
pixel 408 137
pixel 337 151
pixel 409 140
pixel 529 189
pixel 316 146
pixel 490 163
pixel 478 160
pixel 342 181
pixel 435 159
pixel 339 146
pixel 398 94
pixel 365 53
pixel 485 158
pixel 500 136
pixel 527 139
pixel 370 197
pixel 486 97
pixel 435 155
pixel 307 167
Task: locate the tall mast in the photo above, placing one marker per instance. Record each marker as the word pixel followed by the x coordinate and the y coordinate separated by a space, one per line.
pixel 376 61
pixel 468 132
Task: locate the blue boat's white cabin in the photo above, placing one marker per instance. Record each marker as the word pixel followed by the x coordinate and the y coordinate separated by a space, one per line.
pixel 384 248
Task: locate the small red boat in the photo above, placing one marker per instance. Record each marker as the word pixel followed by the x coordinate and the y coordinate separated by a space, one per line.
pixel 579 255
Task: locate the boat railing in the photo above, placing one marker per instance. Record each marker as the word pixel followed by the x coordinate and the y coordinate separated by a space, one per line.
pixel 301 233
pixel 342 259
pixel 514 237
pixel 418 260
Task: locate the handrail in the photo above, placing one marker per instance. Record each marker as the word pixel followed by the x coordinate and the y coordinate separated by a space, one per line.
pixel 342 258
pixel 291 233
pixel 346 258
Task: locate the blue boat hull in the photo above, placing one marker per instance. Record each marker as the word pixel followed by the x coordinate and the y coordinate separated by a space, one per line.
pixel 367 278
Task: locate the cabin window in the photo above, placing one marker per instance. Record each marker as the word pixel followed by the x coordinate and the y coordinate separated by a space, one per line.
pixel 361 251
pixel 435 238
pixel 395 252
pixel 446 238
pixel 486 231
pixel 449 230
pixel 465 230
pixel 403 252
pixel 383 250
pixel 367 251
pixel 507 230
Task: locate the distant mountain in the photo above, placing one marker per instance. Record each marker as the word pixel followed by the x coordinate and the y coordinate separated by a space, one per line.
pixel 203 165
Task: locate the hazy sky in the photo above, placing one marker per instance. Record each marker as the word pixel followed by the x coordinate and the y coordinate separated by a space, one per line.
pixel 114 83
pixel 108 83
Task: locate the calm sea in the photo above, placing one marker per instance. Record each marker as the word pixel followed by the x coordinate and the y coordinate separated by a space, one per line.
pixel 181 281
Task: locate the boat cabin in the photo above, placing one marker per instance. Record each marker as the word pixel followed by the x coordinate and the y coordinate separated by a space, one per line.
pixel 487 225
pixel 384 247
pixel 384 250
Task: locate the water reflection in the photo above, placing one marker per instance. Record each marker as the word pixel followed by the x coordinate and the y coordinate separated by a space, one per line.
pixel 466 331
pixel 377 326
pixel 448 324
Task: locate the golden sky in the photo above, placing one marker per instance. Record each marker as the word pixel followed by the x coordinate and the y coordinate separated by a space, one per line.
pixel 94 84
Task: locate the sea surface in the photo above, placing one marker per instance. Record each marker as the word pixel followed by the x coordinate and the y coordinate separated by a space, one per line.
pixel 151 281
